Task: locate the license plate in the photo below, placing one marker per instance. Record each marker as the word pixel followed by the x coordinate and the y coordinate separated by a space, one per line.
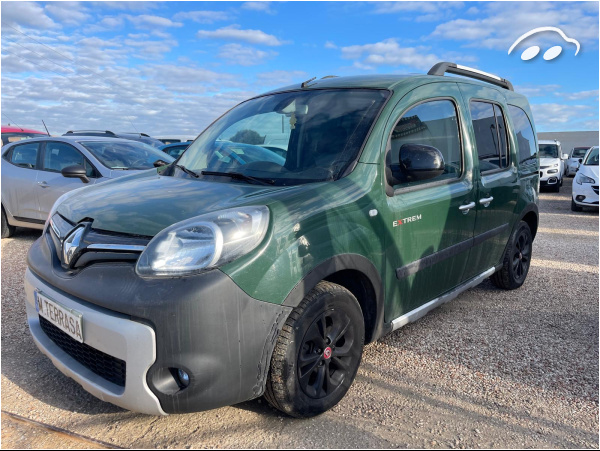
pixel 66 319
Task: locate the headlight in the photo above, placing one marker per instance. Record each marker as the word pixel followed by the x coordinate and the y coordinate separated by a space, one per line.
pixel 584 179
pixel 204 242
pixel 552 171
pixel 555 165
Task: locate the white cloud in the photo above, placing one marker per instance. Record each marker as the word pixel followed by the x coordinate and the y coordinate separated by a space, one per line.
pixel 277 78
pixel 235 33
pixel 258 6
pixel 389 53
pixel 427 11
pixel 581 95
pixel 553 114
pixel 110 23
pixel 26 14
pixel 242 55
pixel 330 45
pixel 537 90
pixel 504 22
pixel 148 21
pixel 202 16
pixel 150 49
pixel 127 5
pixel 68 13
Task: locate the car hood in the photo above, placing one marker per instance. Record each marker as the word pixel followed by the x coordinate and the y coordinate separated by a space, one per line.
pixel 146 202
pixel 549 161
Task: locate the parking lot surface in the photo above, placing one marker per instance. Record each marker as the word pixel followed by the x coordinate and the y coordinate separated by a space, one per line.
pixel 492 368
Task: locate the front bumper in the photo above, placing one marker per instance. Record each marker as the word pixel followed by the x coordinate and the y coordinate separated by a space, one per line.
pixel 111 333
pixel 547 178
pixel 589 192
pixel 204 324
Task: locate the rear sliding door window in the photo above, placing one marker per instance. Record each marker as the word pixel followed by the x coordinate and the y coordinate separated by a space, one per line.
pixel 490 135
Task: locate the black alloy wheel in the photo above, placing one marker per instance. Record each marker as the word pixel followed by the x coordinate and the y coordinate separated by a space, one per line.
pixel 521 256
pixel 327 354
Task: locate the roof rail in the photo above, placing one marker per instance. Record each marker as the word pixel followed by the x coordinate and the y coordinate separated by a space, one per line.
pixel 453 68
pixel 108 132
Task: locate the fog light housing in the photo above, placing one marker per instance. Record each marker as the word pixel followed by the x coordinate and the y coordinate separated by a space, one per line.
pixel 184 378
pixel 580 198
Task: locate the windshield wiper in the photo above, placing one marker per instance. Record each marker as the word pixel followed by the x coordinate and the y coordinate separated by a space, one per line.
pixel 240 176
pixel 187 171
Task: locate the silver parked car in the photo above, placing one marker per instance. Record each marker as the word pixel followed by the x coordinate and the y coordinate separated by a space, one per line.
pixel 36 172
pixel 577 153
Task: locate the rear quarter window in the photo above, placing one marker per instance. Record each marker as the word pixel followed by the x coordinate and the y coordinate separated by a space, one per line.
pixel 524 136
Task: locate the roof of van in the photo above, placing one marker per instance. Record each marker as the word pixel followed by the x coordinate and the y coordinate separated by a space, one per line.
pixel 389 81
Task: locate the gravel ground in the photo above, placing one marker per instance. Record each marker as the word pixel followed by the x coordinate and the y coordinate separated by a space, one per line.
pixel 490 369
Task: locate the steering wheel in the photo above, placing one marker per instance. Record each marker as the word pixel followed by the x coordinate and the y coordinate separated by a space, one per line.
pixel 139 160
pixel 226 152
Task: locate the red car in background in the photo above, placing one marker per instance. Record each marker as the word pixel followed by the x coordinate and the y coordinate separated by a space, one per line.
pixel 11 134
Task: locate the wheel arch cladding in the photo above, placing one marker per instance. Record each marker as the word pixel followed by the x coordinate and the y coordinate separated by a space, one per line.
pixel 531 216
pixel 359 276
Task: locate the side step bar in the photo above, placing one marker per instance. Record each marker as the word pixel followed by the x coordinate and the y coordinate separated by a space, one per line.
pixel 417 313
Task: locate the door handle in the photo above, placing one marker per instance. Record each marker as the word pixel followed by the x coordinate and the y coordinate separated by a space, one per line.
pixel 486 201
pixel 465 208
pixel 43 184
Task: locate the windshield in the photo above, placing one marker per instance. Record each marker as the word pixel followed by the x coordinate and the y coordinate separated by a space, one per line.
pixel 125 155
pixel 288 138
pixel 579 152
pixel 548 151
pixel 592 158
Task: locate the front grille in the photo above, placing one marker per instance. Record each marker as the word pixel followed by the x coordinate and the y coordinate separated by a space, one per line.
pixel 595 188
pixel 104 365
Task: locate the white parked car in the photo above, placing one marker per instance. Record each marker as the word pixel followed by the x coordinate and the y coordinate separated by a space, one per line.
pixel 572 164
pixel 552 165
pixel 585 185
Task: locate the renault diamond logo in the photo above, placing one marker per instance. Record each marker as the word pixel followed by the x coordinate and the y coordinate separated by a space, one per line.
pixel 71 245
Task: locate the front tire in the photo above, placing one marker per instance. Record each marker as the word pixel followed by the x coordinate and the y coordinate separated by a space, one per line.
pixel 7 229
pixel 516 260
pixel 317 353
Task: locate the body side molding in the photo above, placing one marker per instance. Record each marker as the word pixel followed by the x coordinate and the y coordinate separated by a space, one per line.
pixel 430 260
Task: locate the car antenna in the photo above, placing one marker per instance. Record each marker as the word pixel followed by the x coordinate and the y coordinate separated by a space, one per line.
pixel 45 127
pixel 13 122
pixel 305 84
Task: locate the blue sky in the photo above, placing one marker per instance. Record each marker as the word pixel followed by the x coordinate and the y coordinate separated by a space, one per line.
pixel 170 68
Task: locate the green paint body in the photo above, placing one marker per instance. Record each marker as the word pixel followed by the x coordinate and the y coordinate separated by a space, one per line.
pixel 313 222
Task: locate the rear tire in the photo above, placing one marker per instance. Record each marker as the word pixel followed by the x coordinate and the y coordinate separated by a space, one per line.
pixel 516 260
pixel 317 353
pixel 7 229
pixel 574 206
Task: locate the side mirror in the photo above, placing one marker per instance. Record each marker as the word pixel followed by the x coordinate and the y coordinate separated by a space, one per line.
pixel 580 160
pixel 565 156
pixel 75 172
pixel 417 162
